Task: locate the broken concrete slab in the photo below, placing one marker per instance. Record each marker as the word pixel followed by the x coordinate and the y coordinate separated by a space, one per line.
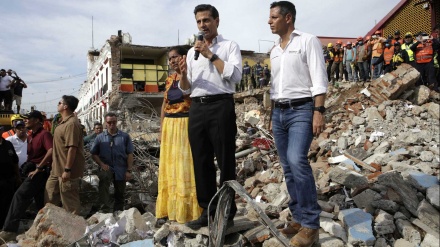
pixel 392 85
pixel 421 181
pixel 54 226
pixel 384 223
pixel 326 240
pixel 433 195
pixel 386 205
pixel 333 228
pixel 429 215
pixel 364 199
pixel 430 241
pixel 408 231
pixel 358 225
pixel 348 178
pixel 395 181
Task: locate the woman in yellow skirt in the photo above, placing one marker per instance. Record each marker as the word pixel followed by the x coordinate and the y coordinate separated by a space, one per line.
pixel 177 197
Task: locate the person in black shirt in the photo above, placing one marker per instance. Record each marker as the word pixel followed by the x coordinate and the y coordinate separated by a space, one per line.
pixel 9 177
pixel 17 88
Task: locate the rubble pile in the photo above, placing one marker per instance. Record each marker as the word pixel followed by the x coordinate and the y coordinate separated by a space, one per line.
pixel 376 168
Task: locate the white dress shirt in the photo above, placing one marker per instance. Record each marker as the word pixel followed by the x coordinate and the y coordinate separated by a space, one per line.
pixel 204 76
pixel 4 82
pixel 299 70
pixel 20 148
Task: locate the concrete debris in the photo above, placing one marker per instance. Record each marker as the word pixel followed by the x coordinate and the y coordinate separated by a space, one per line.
pixel 376 167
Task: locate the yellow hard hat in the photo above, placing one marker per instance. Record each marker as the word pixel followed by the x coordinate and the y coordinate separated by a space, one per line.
pixel 408 34
pixel 330 45
pixel 16 117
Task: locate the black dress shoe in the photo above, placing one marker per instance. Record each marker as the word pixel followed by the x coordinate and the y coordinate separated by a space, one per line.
pixel 202 221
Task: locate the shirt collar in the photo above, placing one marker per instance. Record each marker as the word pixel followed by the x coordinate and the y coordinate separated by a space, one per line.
pixel 217 39
pixel 294 33
pixel 107 133
pixel 66 119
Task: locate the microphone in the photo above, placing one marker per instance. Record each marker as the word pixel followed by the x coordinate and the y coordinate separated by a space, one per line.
pixel 199 37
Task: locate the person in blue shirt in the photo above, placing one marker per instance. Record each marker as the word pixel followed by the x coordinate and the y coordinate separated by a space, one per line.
pixel 112 150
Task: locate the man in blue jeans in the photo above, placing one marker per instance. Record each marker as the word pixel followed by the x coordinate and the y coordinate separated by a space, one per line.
pixel 298 92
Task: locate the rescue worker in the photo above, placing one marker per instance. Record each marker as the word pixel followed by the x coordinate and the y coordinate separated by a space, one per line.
pixel 400 56
pixel 337 63
pixel 11 132
pixel 349 60
pixel 376 51
pixel 329 60
pixel 423 50
pixel 246 76
pixel 408 42
pixel 386 57
pixel 362 59
pixel 258 72
pixel 397 38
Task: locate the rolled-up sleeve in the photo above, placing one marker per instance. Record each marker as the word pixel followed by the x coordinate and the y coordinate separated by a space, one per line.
pixel 318 72
pixel 232 71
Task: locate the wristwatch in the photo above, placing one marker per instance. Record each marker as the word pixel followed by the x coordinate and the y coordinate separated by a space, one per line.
pixel 213 58
pixel 321 109
pixel 67 170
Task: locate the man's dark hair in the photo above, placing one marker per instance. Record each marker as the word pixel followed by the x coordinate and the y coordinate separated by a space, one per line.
pixel 70 101
pixel 285 8
pixel 181 50
pixel 110 114
pixel 97 124
pixel 206 7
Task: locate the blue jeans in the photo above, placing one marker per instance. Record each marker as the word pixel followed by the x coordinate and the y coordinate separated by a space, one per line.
pixel 377 69
pixel 292 129
pixel 349 70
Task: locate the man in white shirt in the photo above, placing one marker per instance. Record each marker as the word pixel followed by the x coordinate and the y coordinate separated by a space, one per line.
pixel 19 140
pixel 298 92
pixel 211 79
pixel 5 90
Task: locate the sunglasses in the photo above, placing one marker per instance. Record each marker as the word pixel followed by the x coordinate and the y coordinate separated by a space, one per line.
pixel 111 122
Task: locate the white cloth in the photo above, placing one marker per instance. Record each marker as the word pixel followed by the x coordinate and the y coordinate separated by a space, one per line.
pixel 299 70
pixel 20 148
pixel 205 78
pixel 4 82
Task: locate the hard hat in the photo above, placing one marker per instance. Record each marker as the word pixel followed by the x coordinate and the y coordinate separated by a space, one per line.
pixel 348 42
pixel 377 32
pixel 16 117
pixel 423 33
pixel 339 42
pixel 408 35
pixel 368 38
pixel 360 38
pixel 330 45
pixel 397 43
pixel 397 32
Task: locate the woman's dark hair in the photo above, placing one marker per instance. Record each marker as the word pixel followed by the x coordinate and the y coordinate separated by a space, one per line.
pixel 179 49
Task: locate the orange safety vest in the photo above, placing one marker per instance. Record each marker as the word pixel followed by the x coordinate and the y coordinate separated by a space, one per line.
pixel 424 53
pixel 8 134
pixel 339 55
pixel 388 55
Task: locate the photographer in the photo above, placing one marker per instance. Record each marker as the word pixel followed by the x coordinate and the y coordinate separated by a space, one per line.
pixel 17 89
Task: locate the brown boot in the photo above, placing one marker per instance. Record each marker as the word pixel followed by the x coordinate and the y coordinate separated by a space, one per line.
pixel 291 228
pixel 306 237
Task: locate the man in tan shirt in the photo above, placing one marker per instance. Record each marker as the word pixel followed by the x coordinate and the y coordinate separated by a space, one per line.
pixel 68 158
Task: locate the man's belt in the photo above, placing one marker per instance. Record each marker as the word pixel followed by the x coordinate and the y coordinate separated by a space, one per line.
pixel 211 98
pixel 292 102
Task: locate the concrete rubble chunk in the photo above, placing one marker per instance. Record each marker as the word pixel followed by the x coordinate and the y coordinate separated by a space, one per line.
pixel 430 241
pixel 421 95
pixel 408 231
pixel 365 198
pixel 392 85
pixel 162 232
pixel 348 178
pixel 403 243
pixel 272 242
pixel 134 220
pixel 433 196
pixel 386 205
pixel 384 223
pixel 426 156
pixel 381 242
pixel 433 109
pixel 421 181
pixel 429 215
pixel 333 228
pixel 54 226
pixel 358 225
pixel 409 121
pixel 395 181
pixel 326 240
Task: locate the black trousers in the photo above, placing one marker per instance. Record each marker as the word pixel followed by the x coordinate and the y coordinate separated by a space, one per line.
pixel 212 130
pixel 7 189
pixel 28 190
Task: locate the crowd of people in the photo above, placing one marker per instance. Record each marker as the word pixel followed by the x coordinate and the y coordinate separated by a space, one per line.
pixel 198 125
pixel 367 59
pixel 11 89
